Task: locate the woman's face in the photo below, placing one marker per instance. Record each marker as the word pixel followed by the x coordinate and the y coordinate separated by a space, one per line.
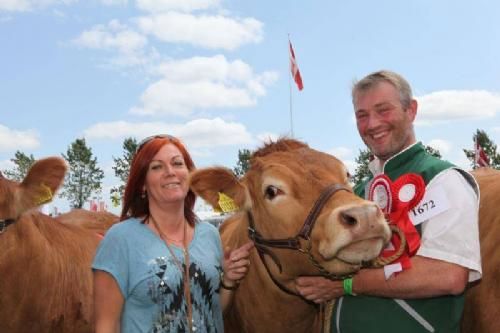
pixel 167 177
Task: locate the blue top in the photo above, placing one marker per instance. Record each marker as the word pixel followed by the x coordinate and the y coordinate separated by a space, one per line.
pixel 152 284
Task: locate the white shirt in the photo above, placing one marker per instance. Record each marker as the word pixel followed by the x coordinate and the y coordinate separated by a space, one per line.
pixel 453 235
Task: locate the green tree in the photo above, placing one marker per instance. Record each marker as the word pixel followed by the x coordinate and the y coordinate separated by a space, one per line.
pixel 84 176
pixel 433 152
pixel 489 147
pixel 362 171
pixel 122 168
pixel 23 163
pixel 243 163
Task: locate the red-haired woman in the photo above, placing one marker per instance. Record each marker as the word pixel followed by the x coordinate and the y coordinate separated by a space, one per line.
pixel 159 269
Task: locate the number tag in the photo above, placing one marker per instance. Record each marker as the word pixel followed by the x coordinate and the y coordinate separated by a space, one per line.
pixel 433 203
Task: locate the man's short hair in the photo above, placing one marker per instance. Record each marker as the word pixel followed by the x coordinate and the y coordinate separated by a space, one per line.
pixel 371 80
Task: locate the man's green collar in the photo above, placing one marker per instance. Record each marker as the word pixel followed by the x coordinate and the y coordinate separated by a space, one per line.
pixel 404 157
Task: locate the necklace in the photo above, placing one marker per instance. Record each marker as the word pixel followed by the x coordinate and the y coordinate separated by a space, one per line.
pixel 184 272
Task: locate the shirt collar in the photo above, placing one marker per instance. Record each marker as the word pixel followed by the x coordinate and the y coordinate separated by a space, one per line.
pixel 376 166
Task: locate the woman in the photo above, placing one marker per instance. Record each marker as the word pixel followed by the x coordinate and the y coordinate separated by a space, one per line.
pixel 159 269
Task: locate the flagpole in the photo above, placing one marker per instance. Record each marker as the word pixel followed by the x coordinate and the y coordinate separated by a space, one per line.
pixel 476 154
pixel 290 88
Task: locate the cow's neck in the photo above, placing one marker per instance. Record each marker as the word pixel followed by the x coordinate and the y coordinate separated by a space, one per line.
pixel 259 305
pixel 279 308
pixel 39 252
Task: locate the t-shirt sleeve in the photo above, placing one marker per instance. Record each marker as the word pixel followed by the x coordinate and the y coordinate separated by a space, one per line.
pixel 220 248
pixel 453 235
pixel 216 240
pixel 112 257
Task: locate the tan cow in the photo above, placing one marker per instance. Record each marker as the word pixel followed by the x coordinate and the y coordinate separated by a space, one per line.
pixel 482 304
pixel 276 196
pixel 98 222
pixel 46 280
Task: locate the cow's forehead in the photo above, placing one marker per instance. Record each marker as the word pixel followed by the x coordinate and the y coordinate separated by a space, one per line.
pixel 301 164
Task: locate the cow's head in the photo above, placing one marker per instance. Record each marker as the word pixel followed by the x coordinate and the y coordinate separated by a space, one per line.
pixel 280 188
pixel 37 188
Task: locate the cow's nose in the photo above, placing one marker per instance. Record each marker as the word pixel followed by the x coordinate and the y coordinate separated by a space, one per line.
pixel 360 215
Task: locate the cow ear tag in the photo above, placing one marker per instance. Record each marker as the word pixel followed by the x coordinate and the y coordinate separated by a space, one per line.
pixel 44 196
pixel 226 204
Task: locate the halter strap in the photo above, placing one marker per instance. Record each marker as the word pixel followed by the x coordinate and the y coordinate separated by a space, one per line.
pixel 262 244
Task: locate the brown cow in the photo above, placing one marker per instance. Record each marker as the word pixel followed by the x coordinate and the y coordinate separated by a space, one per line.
pixel 46 280
pixel 482 304
pixel 98 222
pixel 276 196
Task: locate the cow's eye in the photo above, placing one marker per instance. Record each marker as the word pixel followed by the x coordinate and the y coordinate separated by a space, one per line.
pixel 272 192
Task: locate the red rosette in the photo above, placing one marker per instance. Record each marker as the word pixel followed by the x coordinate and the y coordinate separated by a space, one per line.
pixel 396 199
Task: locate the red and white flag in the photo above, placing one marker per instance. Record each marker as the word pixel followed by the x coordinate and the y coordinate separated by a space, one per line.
pixel 480 157
pixel 295 69
pixel 93 206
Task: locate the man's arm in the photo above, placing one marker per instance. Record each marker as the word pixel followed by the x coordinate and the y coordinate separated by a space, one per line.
pixel 426 278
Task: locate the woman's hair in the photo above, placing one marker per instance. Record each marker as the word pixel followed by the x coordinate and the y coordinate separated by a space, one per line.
pixel 135 201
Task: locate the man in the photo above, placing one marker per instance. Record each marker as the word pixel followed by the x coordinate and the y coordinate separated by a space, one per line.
pixel 423 292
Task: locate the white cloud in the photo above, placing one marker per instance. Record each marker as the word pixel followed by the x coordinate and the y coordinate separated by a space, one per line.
pixel 155 6
pixel 6 165
pixel 12 140
pixel 205 31
pixel 215 68
pixel 199 133
pixel 170 98
pixel 345 155
pixel 449 105
pixel 213 132
pixel 28 5
pixel 114 2
pixel 443 146
pixel 350 165
pixel 267 137
pixel 341 152
pixel 461 161
pixel 130 46
pixel 114 36
pixel 201 83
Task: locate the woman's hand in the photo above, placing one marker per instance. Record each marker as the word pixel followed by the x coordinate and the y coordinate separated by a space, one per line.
pixel 236 264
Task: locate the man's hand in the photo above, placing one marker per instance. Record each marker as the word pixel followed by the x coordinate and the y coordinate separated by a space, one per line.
pixel 318 289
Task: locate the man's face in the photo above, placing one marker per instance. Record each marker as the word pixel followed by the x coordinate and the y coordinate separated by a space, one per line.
pixel 385 127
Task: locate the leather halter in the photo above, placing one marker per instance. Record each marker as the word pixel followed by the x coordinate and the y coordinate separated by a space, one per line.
pixel 262 244
pixel 5 223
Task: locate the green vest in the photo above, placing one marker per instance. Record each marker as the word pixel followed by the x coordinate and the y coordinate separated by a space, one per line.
pixel 379 314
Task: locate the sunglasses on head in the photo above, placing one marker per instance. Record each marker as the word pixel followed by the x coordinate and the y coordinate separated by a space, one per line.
pixel 152 137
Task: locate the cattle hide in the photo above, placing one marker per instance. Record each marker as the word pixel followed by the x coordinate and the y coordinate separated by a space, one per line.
pixel 45 264
pixel 482 303
pixel 97 222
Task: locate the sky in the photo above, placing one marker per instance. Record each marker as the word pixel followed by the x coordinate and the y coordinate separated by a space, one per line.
pixel 216 73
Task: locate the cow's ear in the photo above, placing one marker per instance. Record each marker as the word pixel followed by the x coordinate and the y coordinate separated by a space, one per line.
pixel 42 181
pixel 209 182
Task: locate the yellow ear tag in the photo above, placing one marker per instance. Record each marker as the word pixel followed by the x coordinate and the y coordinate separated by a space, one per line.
pixel 45 195
pixel 226 203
